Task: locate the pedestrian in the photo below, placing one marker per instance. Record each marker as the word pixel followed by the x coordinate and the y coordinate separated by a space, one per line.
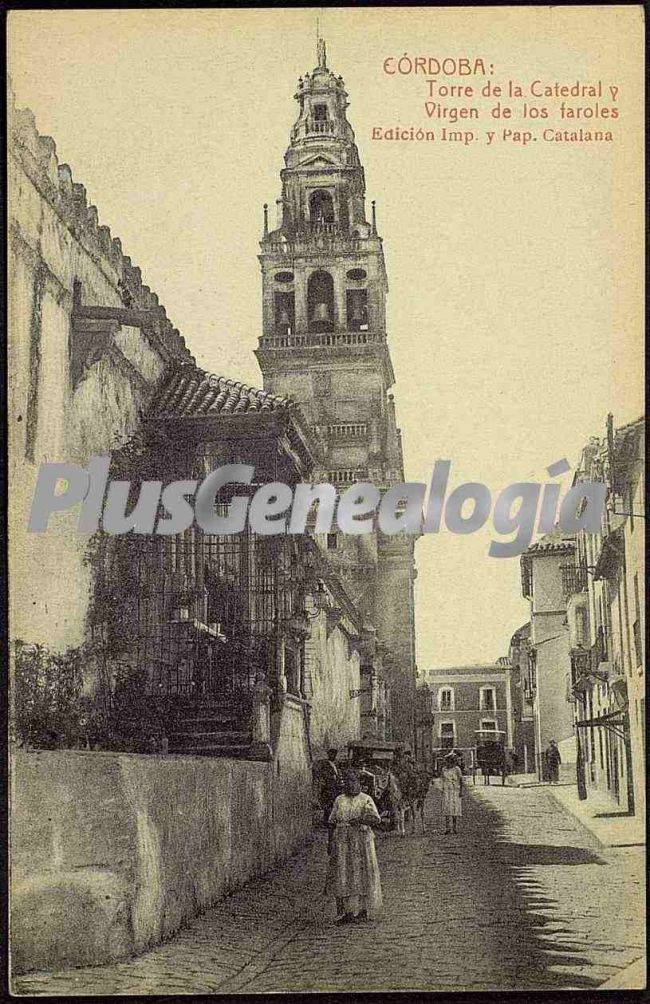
pixel 353 872
pixel 553 761
pixel 395 799
pixel 452 790
pixel 407 780
pixel 330 783
pixel 510 765
pixel 424 779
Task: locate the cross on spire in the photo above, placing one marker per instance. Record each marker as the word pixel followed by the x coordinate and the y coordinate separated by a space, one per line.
pixel 321 53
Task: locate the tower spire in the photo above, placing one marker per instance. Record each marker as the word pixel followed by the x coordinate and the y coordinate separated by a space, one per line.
pixel 321 54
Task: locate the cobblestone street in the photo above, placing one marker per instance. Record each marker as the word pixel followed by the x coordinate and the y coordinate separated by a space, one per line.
pixel 522 897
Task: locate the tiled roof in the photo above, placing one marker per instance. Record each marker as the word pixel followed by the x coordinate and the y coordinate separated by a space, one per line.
pixel 190 392
pixel 480 667
pixel 555 541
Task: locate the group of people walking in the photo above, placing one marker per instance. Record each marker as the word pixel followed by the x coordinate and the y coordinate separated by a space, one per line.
pixel 352 815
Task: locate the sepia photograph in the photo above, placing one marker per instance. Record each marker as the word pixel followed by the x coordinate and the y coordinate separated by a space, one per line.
pixel 326 500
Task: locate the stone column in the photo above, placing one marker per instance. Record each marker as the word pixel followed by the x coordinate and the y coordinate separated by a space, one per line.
pixel 261 744
pixel 340 307
pixel 300 287
pixel 281 677
pixel 301 670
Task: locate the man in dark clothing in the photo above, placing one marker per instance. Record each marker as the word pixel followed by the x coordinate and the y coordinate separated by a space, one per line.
pixel 553 761
pixel 331 784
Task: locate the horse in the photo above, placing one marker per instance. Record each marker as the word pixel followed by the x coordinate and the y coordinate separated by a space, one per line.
pixel 412 795
pixel 391 801
pixel 416 791
pixel 492 761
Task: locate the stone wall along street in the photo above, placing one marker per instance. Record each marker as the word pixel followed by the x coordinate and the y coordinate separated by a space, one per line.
pixel 113 852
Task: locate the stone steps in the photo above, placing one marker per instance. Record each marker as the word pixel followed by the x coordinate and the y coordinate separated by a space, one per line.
pixel 219 726
pixel 215 706
pixel 223 722
pixel 214 738
pixel 233 746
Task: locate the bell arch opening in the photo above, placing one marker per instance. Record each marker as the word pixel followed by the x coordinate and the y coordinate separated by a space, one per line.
pixel 320 302
pixel 321 208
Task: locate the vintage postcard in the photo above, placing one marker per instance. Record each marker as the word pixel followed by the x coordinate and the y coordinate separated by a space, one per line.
pixel 326 529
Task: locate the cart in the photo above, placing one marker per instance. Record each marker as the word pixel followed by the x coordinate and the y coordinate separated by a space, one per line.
pixel 373 760
pixel 490 754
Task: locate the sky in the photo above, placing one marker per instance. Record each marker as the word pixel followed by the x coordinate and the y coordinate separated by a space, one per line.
pixel 515 272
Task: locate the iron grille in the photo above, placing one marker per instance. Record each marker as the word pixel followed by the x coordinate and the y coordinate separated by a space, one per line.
pixel 574 579
pixel 197 615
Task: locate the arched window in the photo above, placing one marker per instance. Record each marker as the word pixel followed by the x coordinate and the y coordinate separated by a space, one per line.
pixel 320 302
pixel 321 208
pixel 284 313
pixel 356 301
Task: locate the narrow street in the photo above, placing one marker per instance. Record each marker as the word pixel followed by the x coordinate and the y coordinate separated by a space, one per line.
pixel 522 897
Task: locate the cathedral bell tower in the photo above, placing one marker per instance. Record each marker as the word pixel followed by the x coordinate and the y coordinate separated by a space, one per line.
pixel 323 342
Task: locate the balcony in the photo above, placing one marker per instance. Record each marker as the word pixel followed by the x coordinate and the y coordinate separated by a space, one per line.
pixel 581 671
pixel 616 672
pixel 528 693
pixel 312 128
pixel 577 612
pixel 328 237
pixel 325 227
pixel 574 579
pixel 324 339
pixel 598 650
pixel 347 430
pixel 319 126
pixel 346 476
pixel 612 555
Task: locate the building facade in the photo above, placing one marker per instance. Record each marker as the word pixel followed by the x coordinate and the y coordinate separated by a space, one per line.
pixel 88 342
pixel 549 658
pixel 581 660
pixel 224 633
pixel 324 343
pixel 605 595
pixel 97 369
pixel 523 689
pixel 463 700
pixel 253 654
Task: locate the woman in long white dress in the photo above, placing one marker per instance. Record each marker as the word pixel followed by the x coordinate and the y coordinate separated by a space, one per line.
pixel 451 777
pixel 353 872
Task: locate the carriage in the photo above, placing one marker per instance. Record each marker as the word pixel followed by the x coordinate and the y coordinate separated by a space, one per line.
pixel 490 754
pixel 372 759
